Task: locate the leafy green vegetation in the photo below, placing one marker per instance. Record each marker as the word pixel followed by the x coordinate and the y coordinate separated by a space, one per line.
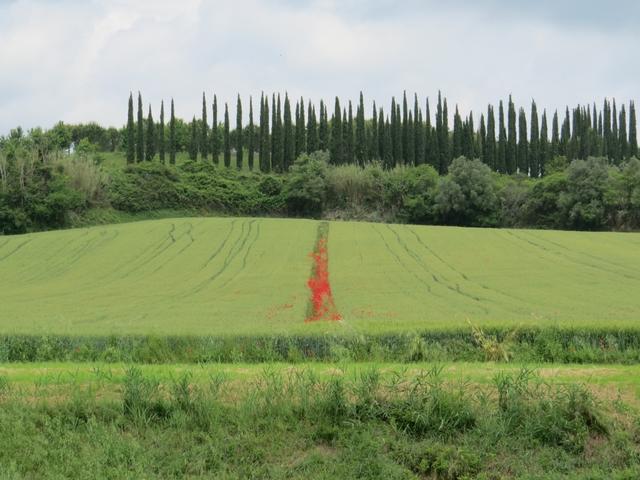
pixel 300 424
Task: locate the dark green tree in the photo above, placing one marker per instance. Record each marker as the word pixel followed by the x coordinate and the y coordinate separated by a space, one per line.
pixel 512 141
pixel 204 134
pixel 622 135
pixel 312 129
pixel 482 140
pixel 534 143
pixel 633 133
pixel 501 158
pixel 490 153
pixel 239 139
pixel 381 137
pixel 150 149
pixel 250 136
pixel 161 143
pixel 289 139
pixel 361 139
pixel 215 133
pixel 457 134
pixel 544 144
pixel 140 134
pixel 131 142
pixel 226 140
pixel 193 140
pixel 555 136
pixel 323 128
pixel 172 135
pixel 336 148
pixel 523 144
pixel 418 132
pixel 301 131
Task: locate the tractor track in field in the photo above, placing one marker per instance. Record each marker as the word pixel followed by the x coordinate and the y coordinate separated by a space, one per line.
pixel 569 259
pixel 234 251
pixel 420 263
pixel 246 255
pixel 593 257
pixel 461 274
pixel 18 248
pixel 402 264
pixel 188 233
pixel 221 246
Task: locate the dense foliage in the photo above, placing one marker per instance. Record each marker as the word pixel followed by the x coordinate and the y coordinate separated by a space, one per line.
pixel 52 190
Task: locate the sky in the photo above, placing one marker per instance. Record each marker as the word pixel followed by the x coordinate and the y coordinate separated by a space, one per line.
pixel 77 60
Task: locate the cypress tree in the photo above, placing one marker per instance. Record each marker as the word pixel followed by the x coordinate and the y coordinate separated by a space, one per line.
pixel 336 134
pixel 280 138
pixel 350 140
pixel 361 140
pixel 523 144
pixel 490 141
pixel 405 129
pixel 512 141
pixel 501 160
pixel 373 138
pixel 172 136
pixel 430 143
pixel 395 138
pixel 469 149
pixel 150 150
pixel 442 134
pixel 226 140
pixel 161 145
pixel 387 143
pixel 323 128
pixel 482 140
pixel 565 134
pixel 301 140
pixel 606 130
pixel 457 134
pixel 250 136
pixel 555 136
pixel 289 145
pixel 613 144
pixel 381 136
pixel 275 165
pixel 312 129
pixel 215 133
pixel 193 141
pixel 411 142
pixel 633 132
pixel 534 144
pixel 131 142
pixel 239 139
pixel 622 133
pixel 419 133
pixel 544 144
pixel 261 144
pixel 204 135
pixel 140 132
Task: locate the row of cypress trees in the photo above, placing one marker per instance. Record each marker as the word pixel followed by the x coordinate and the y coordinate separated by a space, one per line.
pixel 517 142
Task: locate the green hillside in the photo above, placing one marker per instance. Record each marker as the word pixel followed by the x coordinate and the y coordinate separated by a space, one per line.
pixel 249 276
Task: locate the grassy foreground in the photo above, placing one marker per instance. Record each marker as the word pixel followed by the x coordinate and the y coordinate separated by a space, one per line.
pixel 349 421
pixel 241 276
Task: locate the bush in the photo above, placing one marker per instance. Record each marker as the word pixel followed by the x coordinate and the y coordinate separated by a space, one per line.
pixel 306 189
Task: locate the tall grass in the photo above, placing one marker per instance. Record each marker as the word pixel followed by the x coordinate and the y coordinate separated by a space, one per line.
pixel 297 426
pixel 555 345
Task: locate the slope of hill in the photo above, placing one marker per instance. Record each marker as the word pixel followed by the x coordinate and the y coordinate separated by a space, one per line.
pixel 219 276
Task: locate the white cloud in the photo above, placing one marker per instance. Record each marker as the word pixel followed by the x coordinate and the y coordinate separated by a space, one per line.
pixel 77 61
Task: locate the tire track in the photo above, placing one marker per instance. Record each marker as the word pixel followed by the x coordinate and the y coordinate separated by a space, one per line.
pixel 402 264
pixel 424 266
pixel 461 274
pixel 221 246
pixel 594 257
pixel 234 251
pixel 246 255
pixel 18 248
pixel 569 259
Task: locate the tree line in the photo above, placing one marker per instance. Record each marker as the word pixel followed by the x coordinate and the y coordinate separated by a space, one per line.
pixel 513 140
